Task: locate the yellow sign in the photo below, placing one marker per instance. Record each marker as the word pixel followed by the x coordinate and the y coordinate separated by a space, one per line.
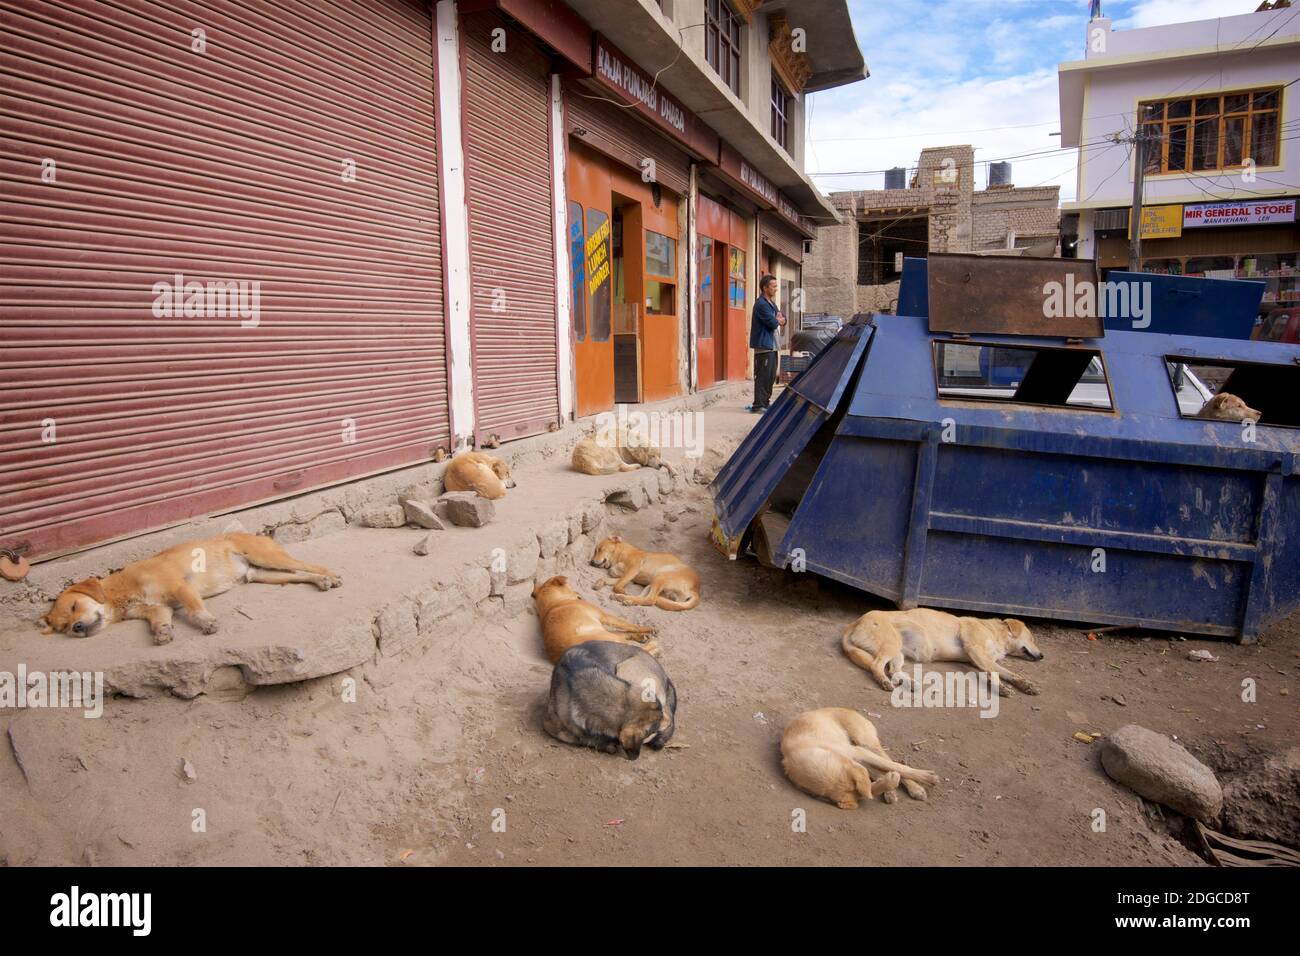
pixel 1160 222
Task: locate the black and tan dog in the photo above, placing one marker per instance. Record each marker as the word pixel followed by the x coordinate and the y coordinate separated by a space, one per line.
pixel 179 577
pixel 613 697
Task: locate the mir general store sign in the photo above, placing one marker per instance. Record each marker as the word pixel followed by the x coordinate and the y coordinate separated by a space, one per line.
pixel 1238 213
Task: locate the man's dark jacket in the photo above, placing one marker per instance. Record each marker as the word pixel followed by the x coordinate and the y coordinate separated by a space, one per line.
pixel 763 324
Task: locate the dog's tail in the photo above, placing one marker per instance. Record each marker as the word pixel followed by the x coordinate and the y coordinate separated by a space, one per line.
pixel 670 605
pixel 864 660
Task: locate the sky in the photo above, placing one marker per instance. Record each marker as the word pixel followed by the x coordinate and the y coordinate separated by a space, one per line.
pixel 947 72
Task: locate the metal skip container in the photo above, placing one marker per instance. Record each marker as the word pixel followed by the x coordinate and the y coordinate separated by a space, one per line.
pixel 1060 474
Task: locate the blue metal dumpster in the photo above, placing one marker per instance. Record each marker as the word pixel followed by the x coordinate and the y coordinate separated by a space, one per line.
pixel 1107 506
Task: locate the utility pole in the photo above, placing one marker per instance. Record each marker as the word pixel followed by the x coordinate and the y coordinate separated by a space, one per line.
pixel 1135 216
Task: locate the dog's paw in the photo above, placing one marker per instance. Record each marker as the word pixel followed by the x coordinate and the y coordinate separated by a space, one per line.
pixel 1029 688
pixel 848 803
pixel 209 626
pixel 651 648
pixel 336 581
pixel 164 634
pixel 889 796
pixel 915 790
pixel 1004 690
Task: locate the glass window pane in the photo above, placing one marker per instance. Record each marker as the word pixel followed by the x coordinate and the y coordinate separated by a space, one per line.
pixel 1209 106
pixel 660 298
pixel 1234 136
pixel 1180 109
pixel 1236 103
pixel 1151 111
pixel 1263 139
pixel 577 272
pixel 660 254
pixel 598 264
pixel 1205 151
pixel 1178 147
pixel 1266 100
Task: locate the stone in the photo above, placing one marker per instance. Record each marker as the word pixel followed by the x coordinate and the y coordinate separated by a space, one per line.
pixel 521 564
pixel 382 516
pixel 633 498
pixel 395 626
pixel 552 538
pixel 325 523
pixel 519 598
pixel 498 583
pixel 593 516
pixel 466 509
pixel 421 513
pixel 424 546
pixel 1162 771
pixel 1259 803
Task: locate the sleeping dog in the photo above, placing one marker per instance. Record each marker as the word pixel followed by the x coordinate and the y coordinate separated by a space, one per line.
pixel 179 577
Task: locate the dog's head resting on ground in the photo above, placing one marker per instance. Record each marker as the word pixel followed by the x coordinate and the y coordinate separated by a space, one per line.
pixel 553 591
pixel 606 555
pixel 1019 640
pixel 502 471
pixel 613 697
pixel 1226 407
pixel 81 610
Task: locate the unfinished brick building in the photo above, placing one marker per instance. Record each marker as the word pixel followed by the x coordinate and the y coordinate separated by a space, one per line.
pixel 855 266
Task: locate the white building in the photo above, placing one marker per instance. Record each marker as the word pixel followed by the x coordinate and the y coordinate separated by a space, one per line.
pixel 1221 102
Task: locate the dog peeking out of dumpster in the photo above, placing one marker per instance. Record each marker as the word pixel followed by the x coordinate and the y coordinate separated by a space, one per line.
pixel 179 577
pixel 670 583
pixel 827 752
pixel 479 472
pixel 880 641
pixel 613 697
pixel 1226 407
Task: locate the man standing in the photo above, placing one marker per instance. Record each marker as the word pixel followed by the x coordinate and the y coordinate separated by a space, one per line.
pixel 766 319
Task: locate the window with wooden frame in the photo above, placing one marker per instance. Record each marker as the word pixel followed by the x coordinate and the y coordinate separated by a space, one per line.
pixel 722 41
pixel 1206 133
pixel 780 113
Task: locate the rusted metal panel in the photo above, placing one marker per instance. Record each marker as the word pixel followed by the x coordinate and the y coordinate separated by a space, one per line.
pixel 1008 295
pixel 118 415
pixel 616 132
pixel 506 106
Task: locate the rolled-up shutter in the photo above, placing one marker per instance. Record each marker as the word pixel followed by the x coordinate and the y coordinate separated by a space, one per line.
pixel 781 237
pixel 507 111
pixel 280 151
pixel 616 132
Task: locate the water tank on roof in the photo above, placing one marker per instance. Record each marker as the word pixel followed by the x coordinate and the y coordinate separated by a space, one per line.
pixel 1000 174
pixel 896 178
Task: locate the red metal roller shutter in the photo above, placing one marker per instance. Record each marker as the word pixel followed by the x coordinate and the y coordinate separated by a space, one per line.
pixel 784 239
pixel 507 108
pixel 225 165
pixel 617 133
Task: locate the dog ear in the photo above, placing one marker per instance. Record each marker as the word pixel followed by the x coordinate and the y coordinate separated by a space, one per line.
pixel 91 587
pixel 559 579
pixel 44 622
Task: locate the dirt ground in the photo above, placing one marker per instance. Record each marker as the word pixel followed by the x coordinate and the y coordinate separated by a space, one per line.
pixel 441 759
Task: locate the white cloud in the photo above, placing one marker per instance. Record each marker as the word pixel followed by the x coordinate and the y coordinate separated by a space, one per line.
pixel 1155 13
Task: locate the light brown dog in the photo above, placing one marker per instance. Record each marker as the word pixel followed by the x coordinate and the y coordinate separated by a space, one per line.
pixel 480 472
pixel 879 641
pixel 823 753
pixel 179 577
pixel 568 620
pixel 671 583
pixel 594 456
pixel 1226 407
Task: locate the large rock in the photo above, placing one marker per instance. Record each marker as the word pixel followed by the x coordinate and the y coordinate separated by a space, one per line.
pixel 1260 803
pixel 382 516
pixel 421 513
pixel 1163 771
pixel 466 509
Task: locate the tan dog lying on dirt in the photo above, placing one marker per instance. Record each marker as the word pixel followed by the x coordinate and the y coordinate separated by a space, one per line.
pixel 1226 407
pixel 179 577
pixel 480 472
pixel 568 620
pixel 672 584
pixel 879 641
pixel 823 752
pixel 592 456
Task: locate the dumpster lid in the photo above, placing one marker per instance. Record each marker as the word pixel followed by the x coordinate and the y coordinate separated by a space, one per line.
pixel 1005 295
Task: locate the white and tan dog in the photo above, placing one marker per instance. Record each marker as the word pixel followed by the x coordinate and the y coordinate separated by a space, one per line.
pixel 628 452
pixel 670 582
pixel 879 641
pixel 480 472
pixel 824 752
pixel 1226 407
pixel 179 577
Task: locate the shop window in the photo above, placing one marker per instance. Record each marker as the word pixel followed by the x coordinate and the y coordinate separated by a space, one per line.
pixel 577 272
pixel 660 298
pixel 722 41
pixel 1205 133
pixel 781 101
pixel 736 279
pixel 1269 389
pixel 598 274
pixel 1067 378
pixel 706 288
pixel 660 255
